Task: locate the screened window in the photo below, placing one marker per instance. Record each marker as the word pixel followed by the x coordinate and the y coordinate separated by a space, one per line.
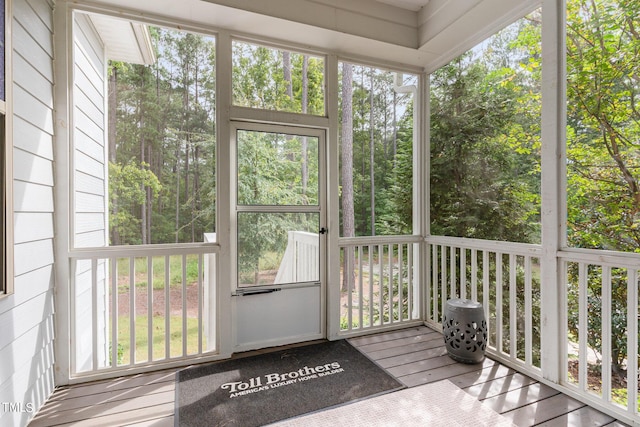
pixel 485 138
pixel 279 80
pixel 376 151
pixel 145 167
pixel 603 155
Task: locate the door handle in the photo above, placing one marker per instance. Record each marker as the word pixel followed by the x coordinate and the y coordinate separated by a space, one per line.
pixel 247 292
pixel 324 230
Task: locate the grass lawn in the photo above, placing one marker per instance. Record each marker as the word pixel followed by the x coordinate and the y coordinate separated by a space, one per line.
pixel 159 343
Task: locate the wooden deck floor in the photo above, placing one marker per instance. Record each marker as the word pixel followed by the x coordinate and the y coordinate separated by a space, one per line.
pixel 415 356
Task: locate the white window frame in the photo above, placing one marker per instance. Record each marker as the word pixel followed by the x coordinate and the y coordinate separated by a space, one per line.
pixel 6 137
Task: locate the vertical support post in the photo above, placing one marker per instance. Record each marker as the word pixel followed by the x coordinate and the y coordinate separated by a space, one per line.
pixel 224 65
pixel 553 183
pixel 333 200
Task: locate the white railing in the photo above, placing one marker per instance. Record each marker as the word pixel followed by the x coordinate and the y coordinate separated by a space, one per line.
pixel 141 306
pixel 600 302
pixel 300 262
pixel 601 321
pixel 379 283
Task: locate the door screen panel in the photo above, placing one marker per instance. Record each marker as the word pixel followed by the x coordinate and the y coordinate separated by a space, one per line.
pixel 278 248
pixel 277 169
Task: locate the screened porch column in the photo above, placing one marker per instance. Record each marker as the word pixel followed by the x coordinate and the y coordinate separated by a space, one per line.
pixel 553 211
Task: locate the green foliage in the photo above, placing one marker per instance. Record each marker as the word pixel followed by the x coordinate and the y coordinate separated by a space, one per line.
pixel 165 120
pixel 382 156
pixel 484 150
pixel 128 185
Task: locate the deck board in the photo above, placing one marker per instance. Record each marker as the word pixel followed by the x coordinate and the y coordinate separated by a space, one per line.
pixel 415 356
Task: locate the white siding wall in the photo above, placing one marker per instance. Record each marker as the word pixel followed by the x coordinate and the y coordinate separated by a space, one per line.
pixel 26 317
pixel 90 177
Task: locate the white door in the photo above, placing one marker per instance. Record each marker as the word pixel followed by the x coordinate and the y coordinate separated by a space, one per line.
pixel 279 235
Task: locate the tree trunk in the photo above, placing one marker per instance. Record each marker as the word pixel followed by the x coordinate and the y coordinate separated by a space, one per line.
pixel 112 134
pixel 348 217
pixel 305 101
pixel 372 148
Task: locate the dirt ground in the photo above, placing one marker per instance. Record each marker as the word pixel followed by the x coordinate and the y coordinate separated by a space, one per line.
pixel 175 302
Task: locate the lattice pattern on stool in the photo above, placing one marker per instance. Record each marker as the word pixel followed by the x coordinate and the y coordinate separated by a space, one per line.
pixel 471 337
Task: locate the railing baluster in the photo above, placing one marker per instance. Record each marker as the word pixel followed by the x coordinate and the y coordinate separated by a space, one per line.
pixel 184 305
pixel 528 312
pixel 132 310
pixel 485 290
pixel 360 290
pixel 381 284
pixel 114 312
pixel 632 341
pixel 452 272
pixel 463 273
pixel 499 287
pixel 434 283
pixel 513 319
pixel 443 279
pixel 583 325
pixel 390 294
pixel 200 296
pixel 150 308
pixel 474 274
pixel 94 312
pixel 167 307
pixel 410 283
pixel 371 303
pixel 400 282
pixel 606 333
pixel 349 288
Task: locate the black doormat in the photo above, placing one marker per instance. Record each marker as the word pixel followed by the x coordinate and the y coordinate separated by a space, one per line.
pixel 266 388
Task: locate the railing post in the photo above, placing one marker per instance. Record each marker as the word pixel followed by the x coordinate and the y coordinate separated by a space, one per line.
pixel 553 211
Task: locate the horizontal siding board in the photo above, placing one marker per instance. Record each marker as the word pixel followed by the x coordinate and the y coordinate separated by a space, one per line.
pixel 95 94
pixel 31 168
pixel 39 58
pixel 30 197
pixel 43 10
pixel 32 226
pixel 29 18
pixel 25 316
pixel 84 103
pixel 89 146
pixel 90 240
pixel 34 341
pixel 29 138
pixel 32 256
pixel 30 285
pixel 32 110
pixel 89 203
pixel 89 165
pixel 89 184
pixel 31 384
pixel 88 43
pixel 86 222
pixel 85 125
pixel 32 80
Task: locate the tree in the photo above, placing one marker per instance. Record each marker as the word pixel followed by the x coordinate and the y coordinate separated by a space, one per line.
pixel 603 153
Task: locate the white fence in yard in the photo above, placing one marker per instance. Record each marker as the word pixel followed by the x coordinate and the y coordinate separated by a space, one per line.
pixel 300 262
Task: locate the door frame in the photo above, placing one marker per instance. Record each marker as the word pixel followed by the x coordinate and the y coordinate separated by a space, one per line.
pixel 321 208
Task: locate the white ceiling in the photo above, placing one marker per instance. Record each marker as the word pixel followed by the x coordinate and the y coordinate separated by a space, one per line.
pixel 413 5
pixel 406 34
